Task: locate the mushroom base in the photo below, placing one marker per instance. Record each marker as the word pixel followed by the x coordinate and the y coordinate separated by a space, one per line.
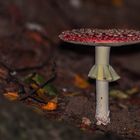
pixel 102 105
pixel 102 119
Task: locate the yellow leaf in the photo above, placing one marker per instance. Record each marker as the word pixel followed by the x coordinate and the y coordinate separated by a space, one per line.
pixel 11 96
pixel 50 106
pixel 34 86
pixel 80 82
pixel 41 91
pixel 118 94
pixel 133 91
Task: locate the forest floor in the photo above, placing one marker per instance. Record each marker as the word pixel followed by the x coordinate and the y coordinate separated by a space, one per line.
pixel 28 59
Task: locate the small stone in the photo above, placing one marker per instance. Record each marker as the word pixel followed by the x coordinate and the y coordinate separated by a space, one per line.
pixel 86 121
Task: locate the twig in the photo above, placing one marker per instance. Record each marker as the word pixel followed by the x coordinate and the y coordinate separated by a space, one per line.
pixel 12 72
pixel 41 86
pixel 38 100
pixel 44 84
pixel 11 77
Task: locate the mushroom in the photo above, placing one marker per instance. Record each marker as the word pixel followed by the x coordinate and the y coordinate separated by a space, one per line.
pixel 102 71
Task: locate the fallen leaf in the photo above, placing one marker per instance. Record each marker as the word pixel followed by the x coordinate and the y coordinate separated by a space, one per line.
pixel 80 82
pixel 41 91
pixel 51 105
pixel 38 79
pixel 34 86
pixel 118 94
pixel 35 80
pixel 50 89
pixel 42 94
pixel 132 91
pixel 11 96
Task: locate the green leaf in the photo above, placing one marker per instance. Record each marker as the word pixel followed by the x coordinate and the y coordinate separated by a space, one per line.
pixel 118 94
pixel 51 90
pixel 38 79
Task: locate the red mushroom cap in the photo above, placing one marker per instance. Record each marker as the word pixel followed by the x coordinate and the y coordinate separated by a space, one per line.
pixel 101 37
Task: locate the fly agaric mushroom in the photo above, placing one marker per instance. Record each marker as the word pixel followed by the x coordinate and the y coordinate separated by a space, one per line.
pixel 102 71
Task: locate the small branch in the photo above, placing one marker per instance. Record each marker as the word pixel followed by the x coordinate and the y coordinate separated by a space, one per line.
pixel 30 95
pixel 38 100
pixel 41 86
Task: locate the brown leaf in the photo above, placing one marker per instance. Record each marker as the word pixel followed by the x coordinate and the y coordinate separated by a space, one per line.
pixel 50 106
pixel 80 82
pixel 34 86
pixel 132 91
pixel 11 96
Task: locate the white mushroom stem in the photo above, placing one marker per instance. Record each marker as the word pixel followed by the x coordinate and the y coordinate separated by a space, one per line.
pixel 102 100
